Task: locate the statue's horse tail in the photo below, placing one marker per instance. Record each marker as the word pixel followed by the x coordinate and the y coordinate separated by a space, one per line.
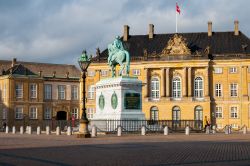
pixel 127 62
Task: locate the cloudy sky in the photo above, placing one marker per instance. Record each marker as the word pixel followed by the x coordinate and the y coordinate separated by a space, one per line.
pixel 56 31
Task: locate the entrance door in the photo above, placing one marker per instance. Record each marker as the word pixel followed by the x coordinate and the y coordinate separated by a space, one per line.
pixel 61 115
pixel 198 117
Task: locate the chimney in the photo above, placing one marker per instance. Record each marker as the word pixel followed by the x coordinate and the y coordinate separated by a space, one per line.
pixel 67 75
pixel 13 62
pixel 126 33
pixel 209 32
pixel 236 27
pixel 54 74
pixel 40 73
pixel 151 31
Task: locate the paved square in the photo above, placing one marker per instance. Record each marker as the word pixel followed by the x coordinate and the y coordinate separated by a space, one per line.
pixel 176 149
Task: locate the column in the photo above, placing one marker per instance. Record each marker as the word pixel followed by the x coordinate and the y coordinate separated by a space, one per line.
pixel 167 82
pixel 147 83
pixel 244 81
pixel 206 81
pixel 189 82
pixel 163 86
pixel 185 82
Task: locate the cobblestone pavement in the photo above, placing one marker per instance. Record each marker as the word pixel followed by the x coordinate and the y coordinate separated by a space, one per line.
pixel 151 150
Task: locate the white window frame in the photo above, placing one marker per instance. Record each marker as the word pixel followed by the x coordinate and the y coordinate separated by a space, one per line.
pixel 75 113
pixel 4 116
pixel 218 70
pixel 154 113
pixel 177 88
pixel 104 73
pixel 235 126
pixel 136 72
pixel 47 113
pixel 33 112
pixel 199 87
pixel 155 88
pixel 74 92
pixel 33 90
pixel 61 92
pixel 18 112
pixel 233 90
pixel 91 73
pixel 218 112
pixel 91 92
pixel 47 91
pixel 234 112
pixel 90 112
pixel 19 90
pixel 232 70
pixel 218 90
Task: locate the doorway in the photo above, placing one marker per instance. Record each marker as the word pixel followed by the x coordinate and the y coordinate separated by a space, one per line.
pixel 61 115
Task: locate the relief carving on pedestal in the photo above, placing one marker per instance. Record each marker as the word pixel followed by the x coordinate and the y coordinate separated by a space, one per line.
pixel 176 46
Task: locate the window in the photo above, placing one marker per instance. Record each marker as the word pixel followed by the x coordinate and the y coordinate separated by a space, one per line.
pixel 198 87
pixel 154 115
pixel 218 90
pixel 19 90
pixel 4 113
pixel 47 91
pixel 217 70
pixel 33 113
pixel 4 90
pixel 234 90
pixel 104 73
pixel 90 113
pixel 136 72
pixel 47 113
pixel 234 112
pixel 61 92
pixel 19 113
pixel 91 73
pixel 74 113
pixel 176 87
pixel 155 88
pixel 219 126
pixel 233 70
pixel 218 112
pixel 198 113
pixel 91 92
pixel 74 92
pixel 176 113
pixel 33 91
pixel 235 126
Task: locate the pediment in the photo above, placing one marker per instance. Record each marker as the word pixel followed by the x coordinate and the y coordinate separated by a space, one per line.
pixel 177 45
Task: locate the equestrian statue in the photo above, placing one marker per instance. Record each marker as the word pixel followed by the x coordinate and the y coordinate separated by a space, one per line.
pixel 118 55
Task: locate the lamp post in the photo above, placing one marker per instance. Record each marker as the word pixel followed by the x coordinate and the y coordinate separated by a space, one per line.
pixel 84 62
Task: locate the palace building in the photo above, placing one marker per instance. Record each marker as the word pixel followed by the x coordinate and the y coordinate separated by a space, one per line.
pixel 188 76
pixel 34 92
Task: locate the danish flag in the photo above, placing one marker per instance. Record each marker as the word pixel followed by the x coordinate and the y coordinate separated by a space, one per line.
pixel 178 10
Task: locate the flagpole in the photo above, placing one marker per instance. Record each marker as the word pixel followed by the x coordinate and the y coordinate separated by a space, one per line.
pixel 176 21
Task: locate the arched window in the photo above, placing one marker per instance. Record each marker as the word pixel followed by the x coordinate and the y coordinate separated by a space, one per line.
pixel 198 113
pixel 155 88
pixel 176 113
pixel 74 113
pixel 154 113
pixel 198 87
pixel 176 87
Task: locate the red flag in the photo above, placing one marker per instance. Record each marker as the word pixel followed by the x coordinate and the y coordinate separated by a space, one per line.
pixel 178 10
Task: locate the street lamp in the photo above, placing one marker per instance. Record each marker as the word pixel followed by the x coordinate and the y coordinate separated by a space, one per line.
pixel 84 62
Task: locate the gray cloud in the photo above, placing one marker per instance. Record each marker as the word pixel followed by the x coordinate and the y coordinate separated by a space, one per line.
pixel 57 31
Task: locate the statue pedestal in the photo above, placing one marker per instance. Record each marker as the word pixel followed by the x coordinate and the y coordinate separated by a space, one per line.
pixel 119 98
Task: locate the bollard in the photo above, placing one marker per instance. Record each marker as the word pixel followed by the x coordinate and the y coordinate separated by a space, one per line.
pixel 13 130
pixel 119 131
pixel 7 129
pixel 47 130
pixel 94 131
pixel 214 130
pixel 245 130
pixel 226 129
pixel 166 132
pixel 207 130
pixel 21 129
pixel 38 130
pixel 58 130
pixel 229 129
pixel 187 130
pixel 26 129
pixel 29 130
pixel 69 131
pixel 143 130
